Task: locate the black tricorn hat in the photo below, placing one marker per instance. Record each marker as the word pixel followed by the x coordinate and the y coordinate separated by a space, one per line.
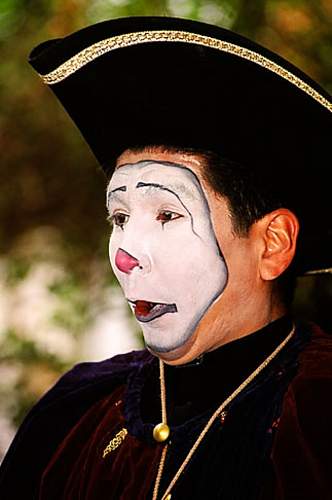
pixel 156 80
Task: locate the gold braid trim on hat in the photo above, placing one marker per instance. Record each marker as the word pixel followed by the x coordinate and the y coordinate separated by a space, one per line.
pixel 127 40
pixel 328 270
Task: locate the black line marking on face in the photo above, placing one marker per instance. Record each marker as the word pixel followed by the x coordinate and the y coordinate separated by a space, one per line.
pixel 147 162
pixel 164 188
pixel 183 167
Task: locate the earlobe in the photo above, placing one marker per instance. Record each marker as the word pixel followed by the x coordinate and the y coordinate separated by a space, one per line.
pixel 279 231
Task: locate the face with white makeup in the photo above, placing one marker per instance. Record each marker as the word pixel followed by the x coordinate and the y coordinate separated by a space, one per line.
pixel 163 249
pixel 195 282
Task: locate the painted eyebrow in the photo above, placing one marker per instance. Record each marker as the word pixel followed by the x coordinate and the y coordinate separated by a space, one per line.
pixel 121 188
pixel 111 194
pixel 164 188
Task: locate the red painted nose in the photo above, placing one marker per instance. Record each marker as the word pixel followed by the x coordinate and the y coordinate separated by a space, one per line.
pixel 124 261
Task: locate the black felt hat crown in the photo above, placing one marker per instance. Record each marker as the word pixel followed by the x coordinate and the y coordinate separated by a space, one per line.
pixel 157 80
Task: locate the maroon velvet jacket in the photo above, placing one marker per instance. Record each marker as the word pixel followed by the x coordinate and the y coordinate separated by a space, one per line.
pixel 273 445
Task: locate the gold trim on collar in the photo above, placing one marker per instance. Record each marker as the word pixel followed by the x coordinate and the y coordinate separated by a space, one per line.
pixel 127 40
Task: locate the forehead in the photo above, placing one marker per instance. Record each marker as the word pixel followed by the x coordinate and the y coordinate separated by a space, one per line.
pixel 154 173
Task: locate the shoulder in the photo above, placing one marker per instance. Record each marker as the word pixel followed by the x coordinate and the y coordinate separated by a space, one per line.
pixel 57 412
pixel 301 450
pixel 88 375
pixel 87 382
pixel 314 365
pixel 313 379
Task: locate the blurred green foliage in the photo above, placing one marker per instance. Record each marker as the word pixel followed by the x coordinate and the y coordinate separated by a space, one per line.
pixel 40 147
pixel 49 178
pixel 35 370
pixel 16 270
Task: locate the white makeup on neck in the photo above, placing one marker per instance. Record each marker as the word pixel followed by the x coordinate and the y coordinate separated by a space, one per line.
pixel 163 249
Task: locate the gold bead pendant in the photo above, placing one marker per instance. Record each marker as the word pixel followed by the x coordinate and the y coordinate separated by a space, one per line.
pixel 161 432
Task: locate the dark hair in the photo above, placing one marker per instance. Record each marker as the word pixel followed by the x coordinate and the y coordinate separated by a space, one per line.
pixel 250 197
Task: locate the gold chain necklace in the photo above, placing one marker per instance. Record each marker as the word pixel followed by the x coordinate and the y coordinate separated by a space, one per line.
pixel 161 431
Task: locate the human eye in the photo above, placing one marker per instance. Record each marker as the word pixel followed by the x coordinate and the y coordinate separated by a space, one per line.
pixel 118 219
pixel 165 216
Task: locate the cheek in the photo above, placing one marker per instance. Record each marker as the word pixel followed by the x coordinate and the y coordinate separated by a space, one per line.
pixel 243 272
pixel 190 263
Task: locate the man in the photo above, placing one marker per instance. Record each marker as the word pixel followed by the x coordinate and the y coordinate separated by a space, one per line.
pixel 216 154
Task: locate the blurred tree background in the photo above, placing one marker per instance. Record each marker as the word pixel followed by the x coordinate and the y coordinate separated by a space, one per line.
pixel 57 294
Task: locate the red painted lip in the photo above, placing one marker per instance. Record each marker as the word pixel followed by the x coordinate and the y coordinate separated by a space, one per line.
pixel 146 311
pixel 143 308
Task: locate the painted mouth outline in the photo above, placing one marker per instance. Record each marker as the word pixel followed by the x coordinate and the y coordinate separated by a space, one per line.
pixel 156 311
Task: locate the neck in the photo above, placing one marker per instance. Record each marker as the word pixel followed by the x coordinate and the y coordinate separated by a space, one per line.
pixel 217 373
pixel 215 331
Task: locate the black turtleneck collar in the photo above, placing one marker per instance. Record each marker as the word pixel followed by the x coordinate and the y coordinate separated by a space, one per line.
pixel 195 387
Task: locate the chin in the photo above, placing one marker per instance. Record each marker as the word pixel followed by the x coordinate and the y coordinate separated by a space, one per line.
pixel 172 353
pixel 173 349
pixel 162 348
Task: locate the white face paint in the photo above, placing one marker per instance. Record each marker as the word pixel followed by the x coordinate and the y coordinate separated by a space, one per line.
pixel 163 249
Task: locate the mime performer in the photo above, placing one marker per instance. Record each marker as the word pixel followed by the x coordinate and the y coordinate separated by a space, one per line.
pixel 217 154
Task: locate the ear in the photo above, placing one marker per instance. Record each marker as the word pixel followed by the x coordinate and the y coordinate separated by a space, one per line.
pixel 279 231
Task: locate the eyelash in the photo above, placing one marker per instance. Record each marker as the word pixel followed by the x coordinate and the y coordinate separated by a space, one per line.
pixel 164 212
pixel 114 219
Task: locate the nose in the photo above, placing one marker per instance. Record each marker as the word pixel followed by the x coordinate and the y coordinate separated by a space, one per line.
pixel 125 262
